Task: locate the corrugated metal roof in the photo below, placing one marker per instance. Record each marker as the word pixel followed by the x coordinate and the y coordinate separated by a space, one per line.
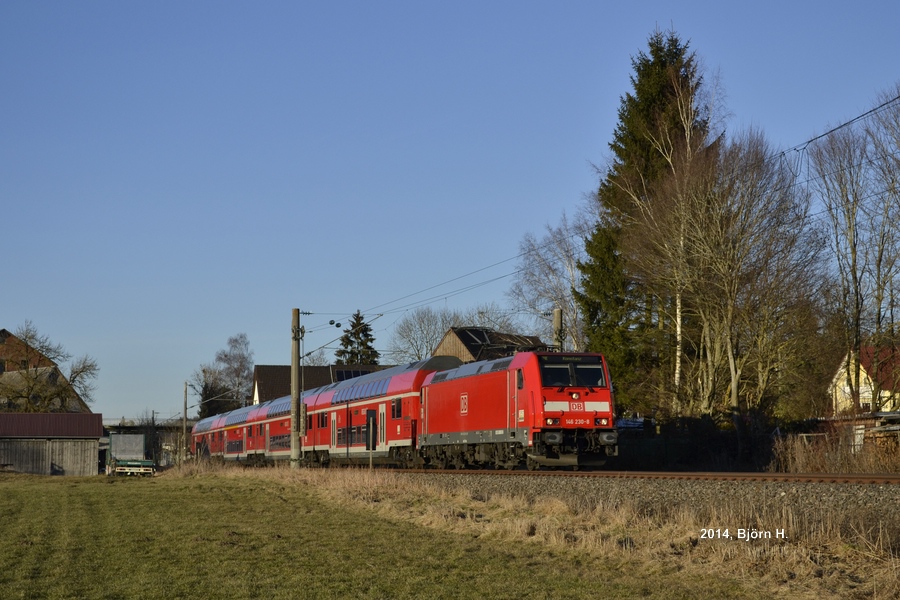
pixel 51 425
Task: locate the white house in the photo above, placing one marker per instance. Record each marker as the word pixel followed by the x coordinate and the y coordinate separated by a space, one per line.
pixel 885 371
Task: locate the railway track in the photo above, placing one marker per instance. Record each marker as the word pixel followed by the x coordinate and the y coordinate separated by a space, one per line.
pixel 846 478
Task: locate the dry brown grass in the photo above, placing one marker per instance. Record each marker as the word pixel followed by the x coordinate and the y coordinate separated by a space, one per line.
pixel 836 454
pixel 826 557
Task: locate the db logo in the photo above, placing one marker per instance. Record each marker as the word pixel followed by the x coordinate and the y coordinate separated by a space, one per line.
pixel 574 406
pixel 464 404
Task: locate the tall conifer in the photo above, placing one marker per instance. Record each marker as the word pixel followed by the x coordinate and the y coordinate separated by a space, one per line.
pixel 622 316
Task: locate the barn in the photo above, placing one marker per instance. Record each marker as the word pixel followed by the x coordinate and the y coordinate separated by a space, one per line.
pixel 50 443
pixel 470 344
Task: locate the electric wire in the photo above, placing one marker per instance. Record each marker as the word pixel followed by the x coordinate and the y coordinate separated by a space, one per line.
pixel 801 149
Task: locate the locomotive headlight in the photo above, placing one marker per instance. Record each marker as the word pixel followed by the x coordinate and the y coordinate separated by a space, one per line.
pixel 552 421
pixel 575 395
pixel 603 422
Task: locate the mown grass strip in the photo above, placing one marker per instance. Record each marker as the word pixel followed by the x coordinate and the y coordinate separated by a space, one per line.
pixel 247 537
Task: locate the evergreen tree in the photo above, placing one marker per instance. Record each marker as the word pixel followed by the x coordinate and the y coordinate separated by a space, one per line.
pixel 623 313
pixel 357 344
pixel 604 302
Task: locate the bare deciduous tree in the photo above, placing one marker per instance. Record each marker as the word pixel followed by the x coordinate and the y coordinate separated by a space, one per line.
pixel 215 397
pixel 236 365
pixel 884 139
pixel 418 333
pixel 316 358
pixel 856 177
pixel 225 384
pixel 759 257
pixel 839 162
pixel 547 277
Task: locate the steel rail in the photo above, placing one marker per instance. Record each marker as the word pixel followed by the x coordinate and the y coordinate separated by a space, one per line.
pixel 840 478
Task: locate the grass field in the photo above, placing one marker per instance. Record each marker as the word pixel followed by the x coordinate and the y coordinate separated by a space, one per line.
pixel 275 533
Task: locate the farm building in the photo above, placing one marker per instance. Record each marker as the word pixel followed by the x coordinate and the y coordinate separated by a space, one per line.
pixel 480 343
pixel 879 384
pixel 51 443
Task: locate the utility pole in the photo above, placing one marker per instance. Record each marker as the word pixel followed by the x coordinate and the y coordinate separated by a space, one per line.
pixel 298 409
pixel 184 441
pixel 559 334
pixel 296 334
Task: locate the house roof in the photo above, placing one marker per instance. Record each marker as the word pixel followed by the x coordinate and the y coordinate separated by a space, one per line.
pixel 271 381
pixel 16 355
pixel 51 425
pixel 887 363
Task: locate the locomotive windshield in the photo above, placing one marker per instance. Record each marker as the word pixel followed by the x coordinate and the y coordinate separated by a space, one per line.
pixel 572 371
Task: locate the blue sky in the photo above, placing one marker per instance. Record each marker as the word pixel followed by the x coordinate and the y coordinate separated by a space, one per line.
pixel 174 173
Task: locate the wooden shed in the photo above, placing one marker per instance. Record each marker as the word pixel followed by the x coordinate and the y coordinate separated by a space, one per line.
pixel 51 443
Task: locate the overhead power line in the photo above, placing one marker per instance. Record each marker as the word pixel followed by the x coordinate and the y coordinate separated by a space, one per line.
pixel 802 147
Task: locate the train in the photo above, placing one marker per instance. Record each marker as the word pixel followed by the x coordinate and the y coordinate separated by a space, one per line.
pixel 531 409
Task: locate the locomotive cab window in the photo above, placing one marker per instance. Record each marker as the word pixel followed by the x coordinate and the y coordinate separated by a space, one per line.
pixel 589 376
pixel 582 373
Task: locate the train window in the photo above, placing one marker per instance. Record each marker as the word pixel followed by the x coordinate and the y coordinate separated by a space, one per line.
pixel 573 375
pixel 555 375
pixel 589 375
pixel 396 408
pixel 520 379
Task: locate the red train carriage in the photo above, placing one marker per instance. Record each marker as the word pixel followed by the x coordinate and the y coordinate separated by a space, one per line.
pixel 536 408
pixel 339 415
pixel 336 421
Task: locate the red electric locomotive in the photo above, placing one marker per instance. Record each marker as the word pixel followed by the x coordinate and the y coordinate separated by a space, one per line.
pixel 534 408
pixel 537 408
